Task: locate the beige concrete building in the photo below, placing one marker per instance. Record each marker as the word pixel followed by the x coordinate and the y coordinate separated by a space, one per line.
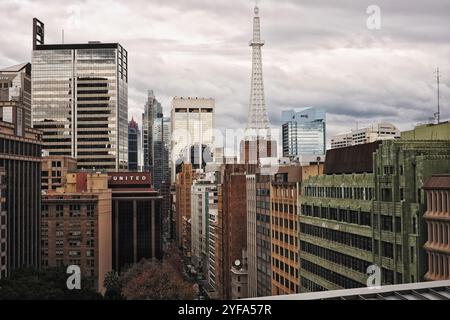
pixel 76 226
pixel 192 124
pixel 372 133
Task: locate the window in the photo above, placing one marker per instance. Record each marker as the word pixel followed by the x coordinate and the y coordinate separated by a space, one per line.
pixel 386 194
pixel 386 223
pixel 59 211
pixel 398 224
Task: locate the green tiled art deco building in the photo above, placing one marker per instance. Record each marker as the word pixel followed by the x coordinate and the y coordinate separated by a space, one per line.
pixel 367 210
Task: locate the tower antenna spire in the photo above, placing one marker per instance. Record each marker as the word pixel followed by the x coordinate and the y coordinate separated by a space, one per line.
pixel 258 119
pixel 438 114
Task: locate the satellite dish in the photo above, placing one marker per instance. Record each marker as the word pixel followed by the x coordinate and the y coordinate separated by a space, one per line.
pixel 237 263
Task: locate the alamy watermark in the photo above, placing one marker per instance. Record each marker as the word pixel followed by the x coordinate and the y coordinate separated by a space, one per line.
pixel 374 20
pixel 374 279
pixel 74 280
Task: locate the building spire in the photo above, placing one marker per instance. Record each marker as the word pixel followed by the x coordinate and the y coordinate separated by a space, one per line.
pixel 258 119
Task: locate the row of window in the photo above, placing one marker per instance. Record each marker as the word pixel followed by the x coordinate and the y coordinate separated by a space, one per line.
pixel 75 211
pixel 71 253
pixel 288 254
pixel 359 193
pixel 337 214
pixel 72 243
pixel 330 275
pixel 284 207
pixel 289 285
pixel 310 285
pixel 284 223
pixel 285 267
pixel 286 238
pixel 19 148
pixel 335 257
pixel 345 238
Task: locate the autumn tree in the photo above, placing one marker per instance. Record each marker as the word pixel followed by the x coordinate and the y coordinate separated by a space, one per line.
pixel 155 280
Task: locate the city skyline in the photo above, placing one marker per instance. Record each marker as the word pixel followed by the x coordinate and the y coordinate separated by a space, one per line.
pixel 356 74
pixel 157 152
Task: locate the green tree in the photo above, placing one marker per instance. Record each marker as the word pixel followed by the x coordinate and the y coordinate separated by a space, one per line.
pixel 113 286
pixel 46 284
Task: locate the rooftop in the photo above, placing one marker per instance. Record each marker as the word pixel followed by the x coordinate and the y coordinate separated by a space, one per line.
pixel 438 181
pixel 15 68
pixel 89 45
pixel 432 290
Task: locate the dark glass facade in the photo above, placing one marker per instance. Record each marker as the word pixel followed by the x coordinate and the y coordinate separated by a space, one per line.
pixel 136 230
pixel 133 150
pixel 20 157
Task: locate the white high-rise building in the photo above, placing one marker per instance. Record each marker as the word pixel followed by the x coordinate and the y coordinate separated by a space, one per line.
pixel 204 199
pixel 192 125
pixel 375 132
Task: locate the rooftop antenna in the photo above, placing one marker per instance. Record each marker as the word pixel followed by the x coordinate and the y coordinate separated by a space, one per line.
pixel 62 36
pixel 438 113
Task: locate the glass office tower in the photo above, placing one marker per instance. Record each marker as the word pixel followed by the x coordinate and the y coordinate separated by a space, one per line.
pixel 80 102
pixel 303 132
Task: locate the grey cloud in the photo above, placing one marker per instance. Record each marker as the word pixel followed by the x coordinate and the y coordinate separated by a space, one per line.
pixel 317 53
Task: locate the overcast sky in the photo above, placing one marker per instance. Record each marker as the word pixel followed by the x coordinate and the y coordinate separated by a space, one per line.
pixel 317 53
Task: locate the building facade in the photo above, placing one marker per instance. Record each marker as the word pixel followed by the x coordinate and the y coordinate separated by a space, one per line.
pixel 80 102
pixel 252 281
pixel 263 235
pixel 374 132
pixel 136 219
pixel 15 85
pixel 3 225
pixel 54 171
pixel 304 132
pixel 239 279
pixel 192 123
pixel 350 221
pixel 203 203
pixel 161 151
pixel 400 170
pixel 335 231
pixel 20 158
pixel 152 110
pixel 437 219
pixel 284 230
pixel 233 216
pixel 133 145
pixel 183 187
pixel 76 226
pixel 213 229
